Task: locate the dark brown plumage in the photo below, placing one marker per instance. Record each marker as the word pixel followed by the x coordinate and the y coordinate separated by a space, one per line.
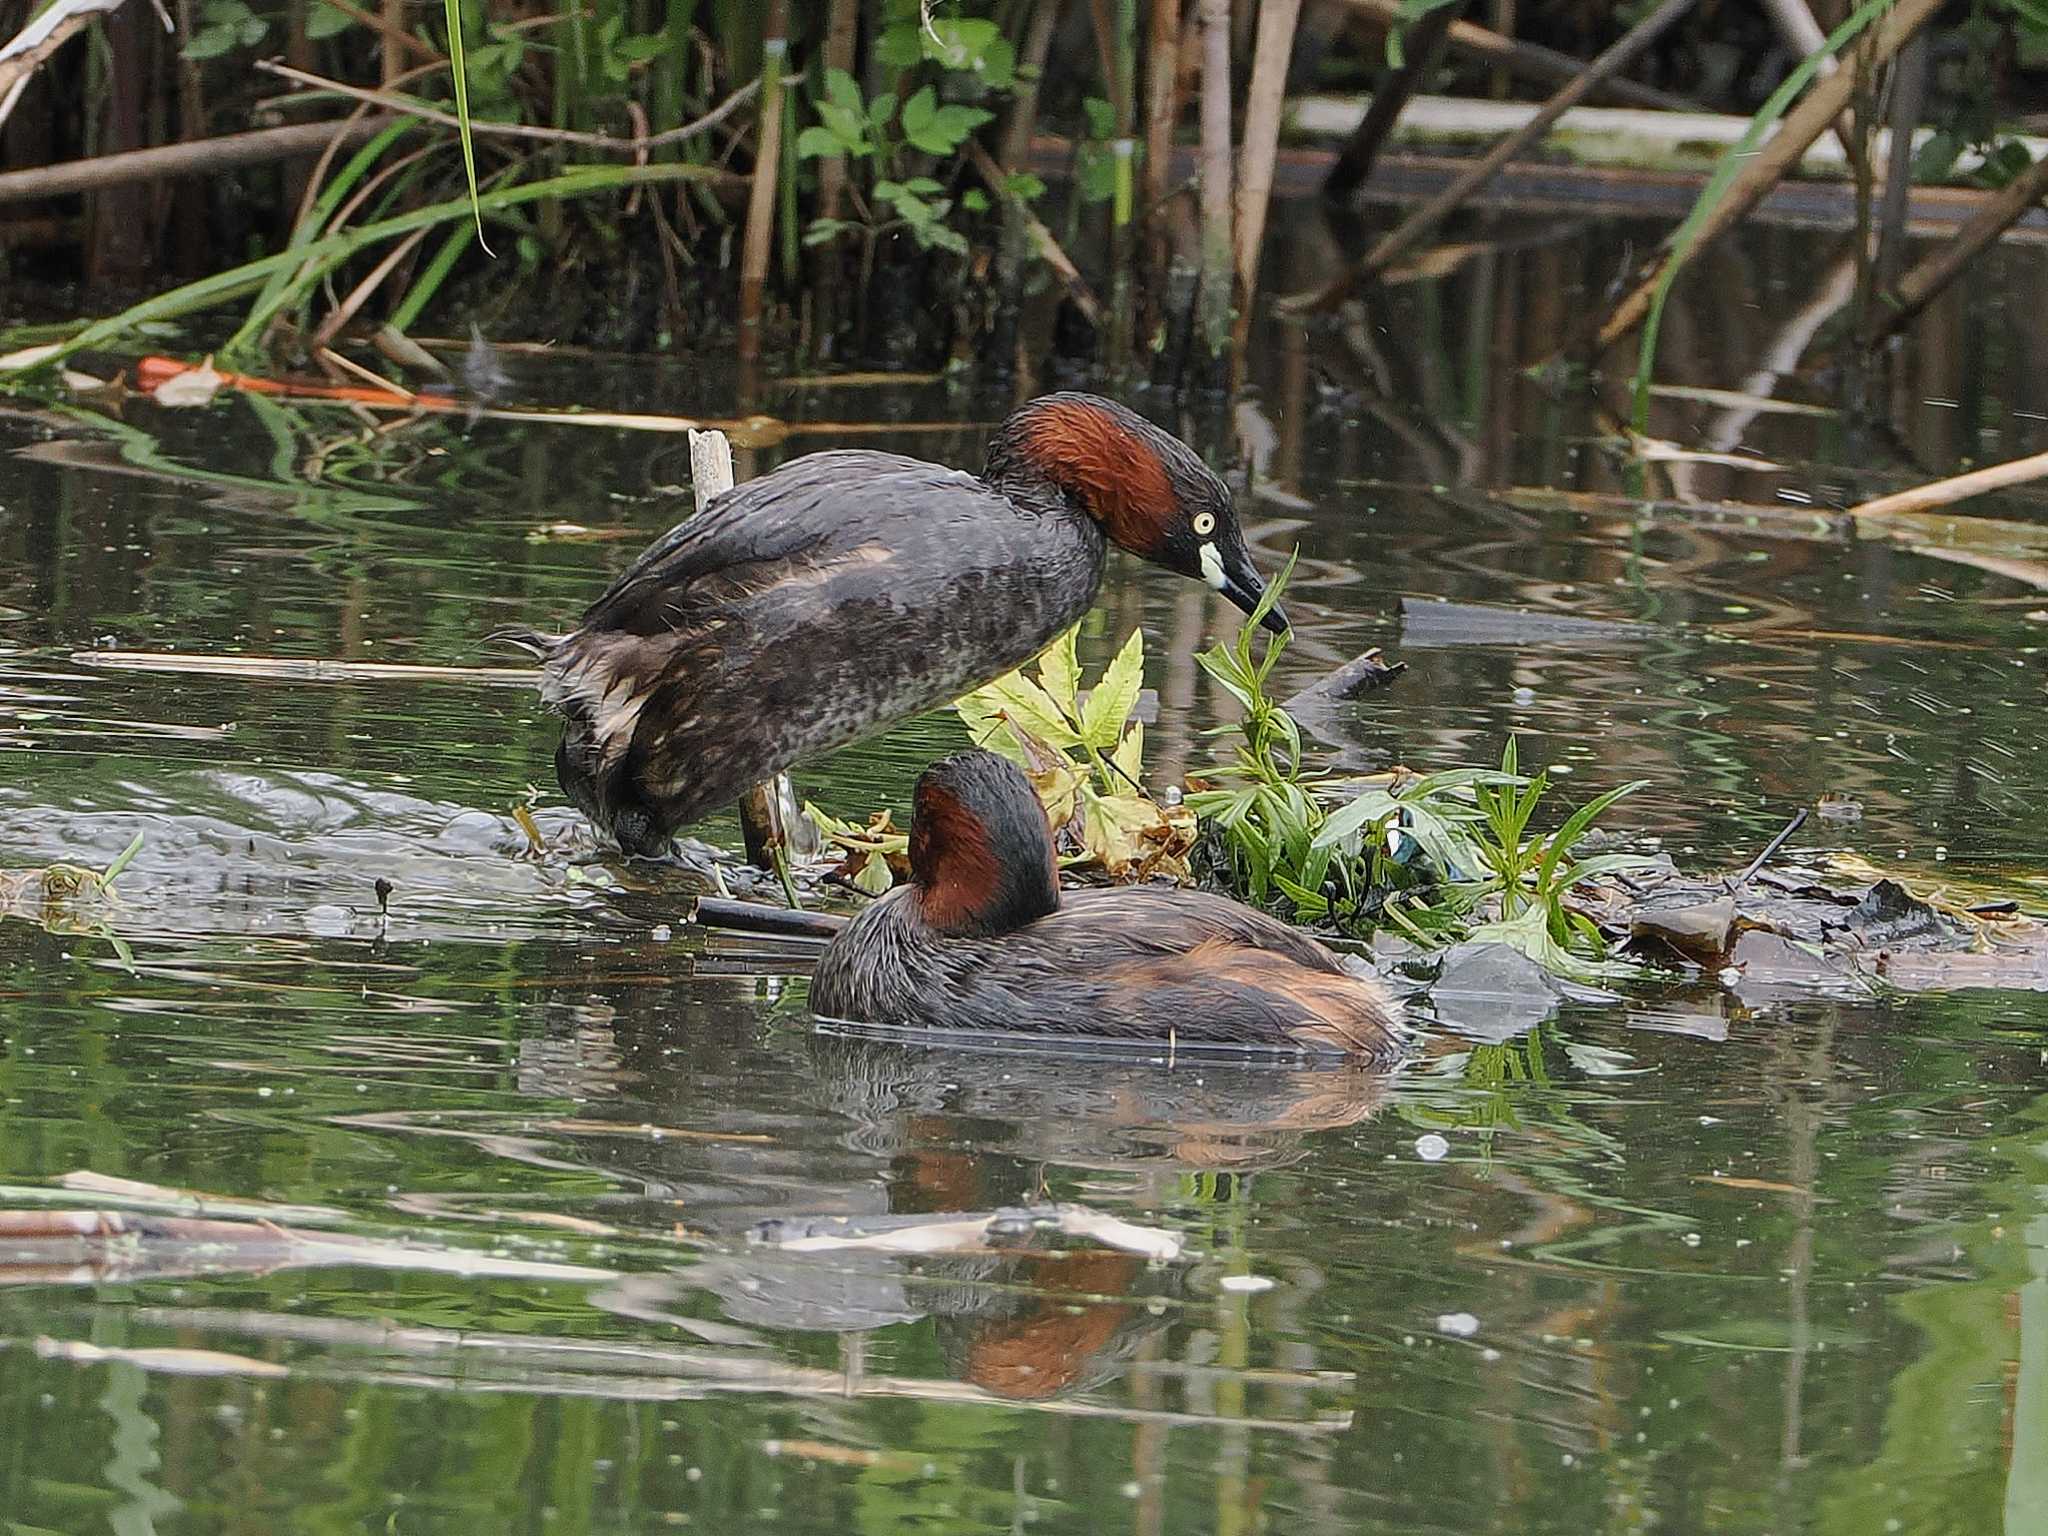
pixel 981 942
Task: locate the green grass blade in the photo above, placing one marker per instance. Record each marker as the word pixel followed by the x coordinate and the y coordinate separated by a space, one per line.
pixel 453 10
pixel 431 277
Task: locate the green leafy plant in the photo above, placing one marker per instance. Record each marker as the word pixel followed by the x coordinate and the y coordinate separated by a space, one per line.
pixel 878 135
pixel 1439 857
pixel 1084 754
pixel 225 25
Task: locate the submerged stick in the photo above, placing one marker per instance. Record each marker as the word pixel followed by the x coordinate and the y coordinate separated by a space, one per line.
pixel 1798 820
pixel 304 669
pixel 759 918
pixel 1412 230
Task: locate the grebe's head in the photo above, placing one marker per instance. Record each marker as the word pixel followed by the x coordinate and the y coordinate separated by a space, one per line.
pixel 981 854
pixel 1144 487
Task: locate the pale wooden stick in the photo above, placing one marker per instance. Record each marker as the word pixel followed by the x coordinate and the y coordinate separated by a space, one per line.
pixel 1944 493
pixel 304 669
pixel 771 816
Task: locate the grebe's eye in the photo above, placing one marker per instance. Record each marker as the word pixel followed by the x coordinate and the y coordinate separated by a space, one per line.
pixel 1205 524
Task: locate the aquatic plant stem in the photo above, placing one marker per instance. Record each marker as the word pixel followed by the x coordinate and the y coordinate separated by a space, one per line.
pixel 1215 162
pixel 1928 278
pixel 1263 102
pixel 330 250
pixel 760 231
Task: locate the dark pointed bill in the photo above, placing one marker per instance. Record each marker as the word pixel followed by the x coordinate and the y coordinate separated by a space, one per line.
pixel 1230 571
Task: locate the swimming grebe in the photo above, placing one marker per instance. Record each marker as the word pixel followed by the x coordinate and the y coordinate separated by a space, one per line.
pixel 982 938
pixel 846 590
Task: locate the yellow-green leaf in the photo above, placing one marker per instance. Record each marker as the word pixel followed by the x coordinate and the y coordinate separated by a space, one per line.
pixel 1059 671
pixel 1129 755
pixel 1113 699
pixel 1027 704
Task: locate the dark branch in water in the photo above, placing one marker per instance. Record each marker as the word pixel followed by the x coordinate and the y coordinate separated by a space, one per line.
pixel 1798 820
pixel 757 917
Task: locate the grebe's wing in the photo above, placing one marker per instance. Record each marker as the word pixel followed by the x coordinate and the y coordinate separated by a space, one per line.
pixel 764 528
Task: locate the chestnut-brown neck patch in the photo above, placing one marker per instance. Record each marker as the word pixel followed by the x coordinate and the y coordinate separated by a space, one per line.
pixel 1107 466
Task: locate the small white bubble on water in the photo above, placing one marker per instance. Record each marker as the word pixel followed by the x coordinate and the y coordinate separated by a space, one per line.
pixel 1459 1325
pixel 1132 1489
pixel 1431 1147
pixel 662 933
pixel 1246 1283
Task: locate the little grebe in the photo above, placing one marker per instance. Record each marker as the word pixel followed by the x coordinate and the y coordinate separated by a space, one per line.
pixel 846 590
pixel 981 938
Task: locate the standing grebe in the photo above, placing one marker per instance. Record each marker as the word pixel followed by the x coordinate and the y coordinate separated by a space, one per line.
pixel 846 590
pixel 981 938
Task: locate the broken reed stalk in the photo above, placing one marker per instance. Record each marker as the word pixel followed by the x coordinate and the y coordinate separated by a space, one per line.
pixel 1423 221
pixel 1766 167
pixel 1943 493
pixel 1929 277
pixel 1528 60
pixel 26 52
pixel 1215 175
pixel 197 157
pixel 771 817
pixel 1422 49
pixel 1262 107
pixel 760 229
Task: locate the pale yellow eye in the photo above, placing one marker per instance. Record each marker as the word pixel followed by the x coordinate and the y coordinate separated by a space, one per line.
pixel 1205 524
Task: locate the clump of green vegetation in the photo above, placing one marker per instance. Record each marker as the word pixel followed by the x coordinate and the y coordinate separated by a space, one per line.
pixel 71 898
pixel 1436 857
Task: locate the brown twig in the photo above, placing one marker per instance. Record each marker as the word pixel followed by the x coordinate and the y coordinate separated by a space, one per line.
pixel 1424 220
pixel 1042 239
pixel 411 107
pixel 1528 60
pixel 198 157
